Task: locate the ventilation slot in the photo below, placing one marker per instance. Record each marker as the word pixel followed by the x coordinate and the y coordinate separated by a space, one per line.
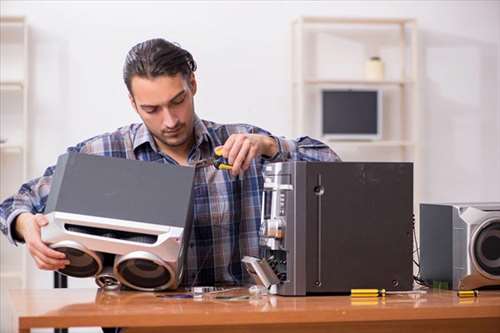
pixel 115 234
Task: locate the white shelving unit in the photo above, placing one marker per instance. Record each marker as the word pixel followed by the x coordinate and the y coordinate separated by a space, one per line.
pixel 13 147
pixel 330 53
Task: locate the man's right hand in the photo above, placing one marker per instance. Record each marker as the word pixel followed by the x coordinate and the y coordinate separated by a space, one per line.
pixel 28 228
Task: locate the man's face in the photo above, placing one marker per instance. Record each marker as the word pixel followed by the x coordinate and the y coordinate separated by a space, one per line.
pixel 165 104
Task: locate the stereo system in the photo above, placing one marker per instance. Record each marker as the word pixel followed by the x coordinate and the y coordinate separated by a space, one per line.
pixel 326 227
pixel 330 227
pixel 124 222
pixel 460 244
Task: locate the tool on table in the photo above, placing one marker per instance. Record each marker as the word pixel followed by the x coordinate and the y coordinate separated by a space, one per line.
pixel 218 161
pixel 383 292
pixel 467 293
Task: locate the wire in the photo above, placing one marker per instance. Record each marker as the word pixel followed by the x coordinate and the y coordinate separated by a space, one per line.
pixel 418 278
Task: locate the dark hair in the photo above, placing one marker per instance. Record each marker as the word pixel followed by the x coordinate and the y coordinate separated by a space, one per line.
pixel 156 57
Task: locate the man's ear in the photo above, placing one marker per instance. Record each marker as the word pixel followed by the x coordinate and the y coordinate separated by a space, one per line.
pixel 192 84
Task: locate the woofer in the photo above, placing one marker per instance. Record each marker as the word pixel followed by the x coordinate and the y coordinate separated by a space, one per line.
pixel 486 248
pixel 83 262
pixel 143 271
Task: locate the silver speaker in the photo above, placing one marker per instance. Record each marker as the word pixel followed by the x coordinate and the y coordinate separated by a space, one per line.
pixel 125 222
pixel 460 244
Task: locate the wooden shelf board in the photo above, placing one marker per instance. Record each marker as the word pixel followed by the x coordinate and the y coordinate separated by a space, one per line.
pixel 12 19
pixel 382 143
pixel 11 148
pixel 354 20
pixel 11 85
pixel 11 275
pixel 358 82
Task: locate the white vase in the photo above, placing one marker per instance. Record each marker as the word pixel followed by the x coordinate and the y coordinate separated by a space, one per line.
pixel 374 69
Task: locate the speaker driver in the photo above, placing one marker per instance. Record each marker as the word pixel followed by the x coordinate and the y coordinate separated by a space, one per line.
pixel 143 271
pixel 83 262
pixel 486 248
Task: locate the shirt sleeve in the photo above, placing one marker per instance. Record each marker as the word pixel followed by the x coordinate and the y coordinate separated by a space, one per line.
pixel 30 198
pixel 302 149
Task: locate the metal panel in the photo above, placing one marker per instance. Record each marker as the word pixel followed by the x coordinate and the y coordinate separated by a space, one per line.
pixel 122 189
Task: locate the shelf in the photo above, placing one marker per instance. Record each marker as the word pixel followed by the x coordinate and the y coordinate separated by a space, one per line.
pixel 363 144
pixel 358 82
pixel 12 20
pixel 11 85
pixel 353 20
pixel 11 149
pixel 11 275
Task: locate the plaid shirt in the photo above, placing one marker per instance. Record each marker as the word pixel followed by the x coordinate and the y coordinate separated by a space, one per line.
pixel 226 209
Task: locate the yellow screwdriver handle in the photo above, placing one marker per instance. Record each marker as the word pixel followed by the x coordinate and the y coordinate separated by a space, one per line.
pixel 218 151
pixel 467 293
pixel 367 292
pixel 219 161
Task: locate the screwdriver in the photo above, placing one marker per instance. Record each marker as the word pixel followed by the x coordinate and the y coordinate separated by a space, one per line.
pixel 467 293
pixel 218 161
pixel 382 292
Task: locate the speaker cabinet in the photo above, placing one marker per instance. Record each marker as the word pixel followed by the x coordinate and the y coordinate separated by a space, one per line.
pixel 460 244
pixel 330 227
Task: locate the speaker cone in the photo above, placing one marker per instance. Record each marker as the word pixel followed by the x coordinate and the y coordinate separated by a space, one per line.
pixel 83 262
pixel 486 248
pixel 143 271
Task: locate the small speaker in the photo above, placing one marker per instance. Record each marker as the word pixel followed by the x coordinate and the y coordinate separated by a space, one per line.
pixel 460 244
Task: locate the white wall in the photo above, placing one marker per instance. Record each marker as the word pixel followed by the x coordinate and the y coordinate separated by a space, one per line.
pixel 243 53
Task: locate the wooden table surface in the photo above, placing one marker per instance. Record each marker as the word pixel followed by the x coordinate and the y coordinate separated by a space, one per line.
pixel 439 310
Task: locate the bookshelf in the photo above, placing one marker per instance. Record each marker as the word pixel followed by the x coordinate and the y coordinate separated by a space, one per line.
pixel 330 53
pixel 13 147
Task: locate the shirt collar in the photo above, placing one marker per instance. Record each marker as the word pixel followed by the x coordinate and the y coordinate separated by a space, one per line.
pixel 201 133
pixel 143 136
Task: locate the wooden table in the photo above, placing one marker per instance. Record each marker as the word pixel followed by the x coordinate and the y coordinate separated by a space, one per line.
pixel 440 311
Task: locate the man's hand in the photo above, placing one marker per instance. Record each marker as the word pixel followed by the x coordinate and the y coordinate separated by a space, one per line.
pixel 241 149
pixel 28 228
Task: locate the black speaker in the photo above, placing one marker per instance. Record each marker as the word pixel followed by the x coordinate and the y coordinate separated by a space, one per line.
pixel 330 227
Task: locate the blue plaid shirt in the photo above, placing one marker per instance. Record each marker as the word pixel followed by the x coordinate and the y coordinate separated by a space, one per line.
pixel 226 209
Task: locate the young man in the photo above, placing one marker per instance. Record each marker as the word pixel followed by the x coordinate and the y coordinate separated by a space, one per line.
pixel 161 83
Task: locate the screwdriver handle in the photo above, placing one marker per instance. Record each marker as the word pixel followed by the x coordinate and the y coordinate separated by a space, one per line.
pixel 467 293
pixel 219 161
pixel 218 151
pixel 367 292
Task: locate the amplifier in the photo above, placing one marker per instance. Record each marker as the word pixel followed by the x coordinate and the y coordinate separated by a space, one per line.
pixel 329 227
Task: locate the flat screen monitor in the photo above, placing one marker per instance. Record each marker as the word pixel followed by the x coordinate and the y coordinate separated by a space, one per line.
pixel 352 114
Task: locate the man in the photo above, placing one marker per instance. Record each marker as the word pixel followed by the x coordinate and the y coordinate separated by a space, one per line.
pixel 161 83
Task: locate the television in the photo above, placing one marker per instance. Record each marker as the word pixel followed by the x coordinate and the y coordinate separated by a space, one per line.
pixel 349 114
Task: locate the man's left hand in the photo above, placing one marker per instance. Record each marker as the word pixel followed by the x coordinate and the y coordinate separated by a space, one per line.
pixel 241 149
